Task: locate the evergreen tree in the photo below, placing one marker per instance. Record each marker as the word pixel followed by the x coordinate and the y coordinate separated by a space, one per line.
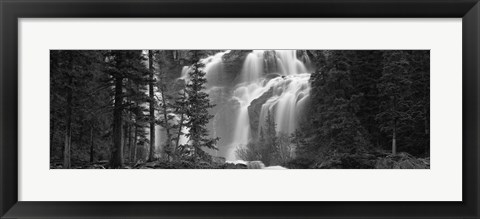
pixel 361 104
pixel 181 106
pixel 394 87
pixel 419 139
pixel 137 117
pixel 268 139
pixel 336 127
pixel 197 111
pixel 124 66
pixel 151 154
pixel 75 77
pixel 367 67
pixel 166 100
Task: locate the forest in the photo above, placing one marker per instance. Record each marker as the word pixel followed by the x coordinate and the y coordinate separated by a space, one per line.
pixel 239 109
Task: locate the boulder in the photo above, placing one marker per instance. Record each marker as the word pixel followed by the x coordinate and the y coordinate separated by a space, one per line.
pixel 218 160
pixel 255 165
pixel 233 166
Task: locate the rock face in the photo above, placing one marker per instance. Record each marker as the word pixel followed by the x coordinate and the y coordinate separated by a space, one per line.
pixel 254 111
pixel 270 59
pixel 233 62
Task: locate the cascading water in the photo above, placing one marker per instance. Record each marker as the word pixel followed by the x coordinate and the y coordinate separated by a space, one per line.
pixel 290 91
pixel 252 68
pixel 288 84
pixel 213 68
pixel 288 63
pixel 184 74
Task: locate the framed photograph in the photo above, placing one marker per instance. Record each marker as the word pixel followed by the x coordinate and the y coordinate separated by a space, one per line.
pixel 232 109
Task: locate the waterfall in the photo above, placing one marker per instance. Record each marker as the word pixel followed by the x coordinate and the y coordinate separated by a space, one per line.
pixel 244 93
pixel 288 62
pixel 253 66
pixel 214 68
pixel 184 74
pixel 288 84
pixel 290 91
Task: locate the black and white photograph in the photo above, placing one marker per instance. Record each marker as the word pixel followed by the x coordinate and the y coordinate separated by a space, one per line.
pixel 239 109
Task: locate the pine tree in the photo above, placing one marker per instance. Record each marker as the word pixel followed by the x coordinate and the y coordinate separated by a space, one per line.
pixel 394 90
pixel 165 100
pixel 335 127
pixel 270 141
pixel 124 66
pixel 197 111
pixel 419 140
pixel 137 114
pixel 180 106
pixel 151 155
pixel 367 67
pixel 75 77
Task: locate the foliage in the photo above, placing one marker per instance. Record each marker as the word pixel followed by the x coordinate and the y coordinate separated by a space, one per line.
pixel 271 148
pixel 89 77
pixel 358 99
pixel 196 112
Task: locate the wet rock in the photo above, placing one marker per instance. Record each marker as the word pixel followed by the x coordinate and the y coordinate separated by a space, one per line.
pixel 218 160
pixel 233 62
pixel 270 59
pixel 255 165
pixel 255 109
pixel 233 166
pixel 272 75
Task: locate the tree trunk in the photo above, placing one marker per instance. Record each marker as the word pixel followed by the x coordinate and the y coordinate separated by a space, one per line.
pixel 117 154
pixel 91 144
pixel 135 135
pixel 394 136
pixel 180 126
pixel 167 126
pixel 151 155
pixel 68 126
pixel 135 145
pixel 129 143
pixel 125 140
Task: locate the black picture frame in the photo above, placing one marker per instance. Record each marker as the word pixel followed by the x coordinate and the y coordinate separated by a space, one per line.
pixel 12 10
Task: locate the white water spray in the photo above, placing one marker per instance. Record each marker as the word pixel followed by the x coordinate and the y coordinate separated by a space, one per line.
pixel 289 85
pixel 290 92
